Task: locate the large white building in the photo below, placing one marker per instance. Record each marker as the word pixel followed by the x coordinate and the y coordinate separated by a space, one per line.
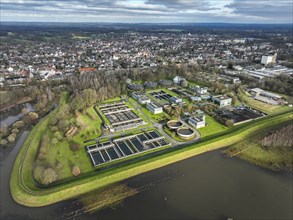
pixel 197 121
pixel 154 108
pixel 222 101
pixel 267 59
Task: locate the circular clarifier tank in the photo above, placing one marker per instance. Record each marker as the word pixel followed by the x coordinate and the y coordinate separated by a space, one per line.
pixel 185 133
pixel 174 124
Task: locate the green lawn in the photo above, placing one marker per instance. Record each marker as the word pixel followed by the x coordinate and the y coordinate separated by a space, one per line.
pixel 61 152
pixel 155 117
pixel 213 127
pixel 116 99
pixel 197 83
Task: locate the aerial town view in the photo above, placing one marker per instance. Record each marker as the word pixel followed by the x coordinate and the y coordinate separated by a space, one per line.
pixel 144 109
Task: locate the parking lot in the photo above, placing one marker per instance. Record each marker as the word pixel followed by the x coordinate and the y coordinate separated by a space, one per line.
pixel 117 148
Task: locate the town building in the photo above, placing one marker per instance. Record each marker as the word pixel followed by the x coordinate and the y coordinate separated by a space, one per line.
pixel 222 100
pixel 267 59
pixel 154 108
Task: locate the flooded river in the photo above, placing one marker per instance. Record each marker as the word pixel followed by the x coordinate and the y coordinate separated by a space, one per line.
pixel 8 118
pixel 208 186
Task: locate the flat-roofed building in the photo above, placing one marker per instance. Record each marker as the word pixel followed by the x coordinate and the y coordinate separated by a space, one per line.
pixel 222 100
pixel 154 108
pixel 200 90
pixel 267 59
pixel 141 98
pixel 197 121
pixel 261 92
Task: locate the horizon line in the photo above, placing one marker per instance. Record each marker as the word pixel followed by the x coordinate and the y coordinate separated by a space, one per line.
pixel 117 22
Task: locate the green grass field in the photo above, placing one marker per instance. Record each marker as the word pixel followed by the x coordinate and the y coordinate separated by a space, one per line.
pixel 61 152
pixel 213 127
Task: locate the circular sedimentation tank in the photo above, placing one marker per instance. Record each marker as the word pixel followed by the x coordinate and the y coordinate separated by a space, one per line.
pixel 185 133
pixel 174 124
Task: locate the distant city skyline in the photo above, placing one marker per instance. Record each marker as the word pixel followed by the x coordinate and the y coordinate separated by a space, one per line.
pixel 148 11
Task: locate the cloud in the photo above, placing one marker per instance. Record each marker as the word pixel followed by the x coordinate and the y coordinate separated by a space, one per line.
pixel 280 10
pixel 200 5
pixel 252 11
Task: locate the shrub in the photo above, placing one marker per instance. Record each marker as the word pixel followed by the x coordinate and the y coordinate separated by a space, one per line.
pixel 75 147
pixel 229 123
pixel 4 131
pixel 54 141
pixel 75 170
pixel 33 116
pixel 11 138
pixel 54 128
pixel 3 142
pixel 49 176
pixel 18 124
pixel 38 172
pixel 15 131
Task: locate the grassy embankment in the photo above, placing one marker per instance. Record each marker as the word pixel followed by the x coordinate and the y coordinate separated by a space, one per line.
pixel 274 158
pixel 25 192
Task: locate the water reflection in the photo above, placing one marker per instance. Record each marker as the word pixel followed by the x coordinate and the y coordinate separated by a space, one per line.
pixel 13 115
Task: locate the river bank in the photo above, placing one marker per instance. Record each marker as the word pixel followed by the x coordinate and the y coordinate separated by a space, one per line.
pixel 276 158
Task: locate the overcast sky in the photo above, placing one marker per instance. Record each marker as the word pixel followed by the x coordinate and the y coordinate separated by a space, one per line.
pixel 136 11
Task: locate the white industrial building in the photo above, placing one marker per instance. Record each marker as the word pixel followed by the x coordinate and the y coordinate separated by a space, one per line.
pixel 265 96
pixel 200 90
pixel 222 100
pixel 197 121
pixel 154 108
pixel 141 98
